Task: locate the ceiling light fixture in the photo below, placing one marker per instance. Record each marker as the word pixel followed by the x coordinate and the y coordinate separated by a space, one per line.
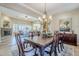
pixel 45 17
pixel 45 20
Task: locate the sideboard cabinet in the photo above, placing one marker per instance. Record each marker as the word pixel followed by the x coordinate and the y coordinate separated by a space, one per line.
pixel 69 38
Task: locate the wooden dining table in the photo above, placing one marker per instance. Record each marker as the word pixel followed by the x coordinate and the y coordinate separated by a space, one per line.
pixel 41 43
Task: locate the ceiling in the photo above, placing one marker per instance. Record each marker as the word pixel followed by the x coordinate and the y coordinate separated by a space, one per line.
pixel 37 9
pixel 53 8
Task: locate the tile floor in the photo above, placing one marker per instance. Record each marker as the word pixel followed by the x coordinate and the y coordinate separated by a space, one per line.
pixel 8 47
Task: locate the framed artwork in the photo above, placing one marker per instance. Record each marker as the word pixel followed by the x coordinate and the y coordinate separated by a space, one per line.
pixel 6 23
pixel 65 25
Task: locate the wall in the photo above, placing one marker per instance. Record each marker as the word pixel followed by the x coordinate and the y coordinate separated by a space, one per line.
pixel 12 21
pixel 0 26
pixel 75 21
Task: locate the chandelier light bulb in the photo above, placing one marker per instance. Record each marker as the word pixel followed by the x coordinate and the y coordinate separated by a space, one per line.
pixel 46 20
pixel 50 17
pixel 44 16
pixel 40 18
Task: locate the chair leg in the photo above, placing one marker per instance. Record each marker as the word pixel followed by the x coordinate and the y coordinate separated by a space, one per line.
pixel 55 51
pixel 20 53
pixel 61 46
pixel 51 50
pixel 23 54
pixel 58 49
pixel 41 51
pixel 35 54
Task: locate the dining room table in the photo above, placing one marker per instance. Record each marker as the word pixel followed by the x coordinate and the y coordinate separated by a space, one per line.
pixel 42 43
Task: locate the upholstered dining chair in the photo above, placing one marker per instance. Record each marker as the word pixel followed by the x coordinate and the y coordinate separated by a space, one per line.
pixel 53 47
pixel 57 44
pixel 21 45
pixel 61 41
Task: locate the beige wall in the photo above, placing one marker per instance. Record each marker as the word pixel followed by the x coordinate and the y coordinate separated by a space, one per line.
pixel 75 21
pixel 12 21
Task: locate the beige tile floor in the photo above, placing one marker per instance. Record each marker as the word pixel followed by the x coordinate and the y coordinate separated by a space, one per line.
pixel 8 45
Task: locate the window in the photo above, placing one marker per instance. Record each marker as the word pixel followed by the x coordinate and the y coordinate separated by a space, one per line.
pixel 21 27
pixel 36 27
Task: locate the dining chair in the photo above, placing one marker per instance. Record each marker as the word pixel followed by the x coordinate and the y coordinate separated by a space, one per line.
pixel 61 40
pixel 56 45
pixel 20 44
pixel 53 47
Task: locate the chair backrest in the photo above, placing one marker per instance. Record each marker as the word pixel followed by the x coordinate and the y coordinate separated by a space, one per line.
pixel 19 43
pixel 55 42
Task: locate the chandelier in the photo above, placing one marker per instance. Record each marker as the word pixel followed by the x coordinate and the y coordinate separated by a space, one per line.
pixel 45 19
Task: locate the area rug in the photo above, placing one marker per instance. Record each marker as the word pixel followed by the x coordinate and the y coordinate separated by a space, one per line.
pixel 67 51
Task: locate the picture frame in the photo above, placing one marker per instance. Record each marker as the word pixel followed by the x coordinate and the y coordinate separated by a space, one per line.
pixel 65 25
pixel 6 24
